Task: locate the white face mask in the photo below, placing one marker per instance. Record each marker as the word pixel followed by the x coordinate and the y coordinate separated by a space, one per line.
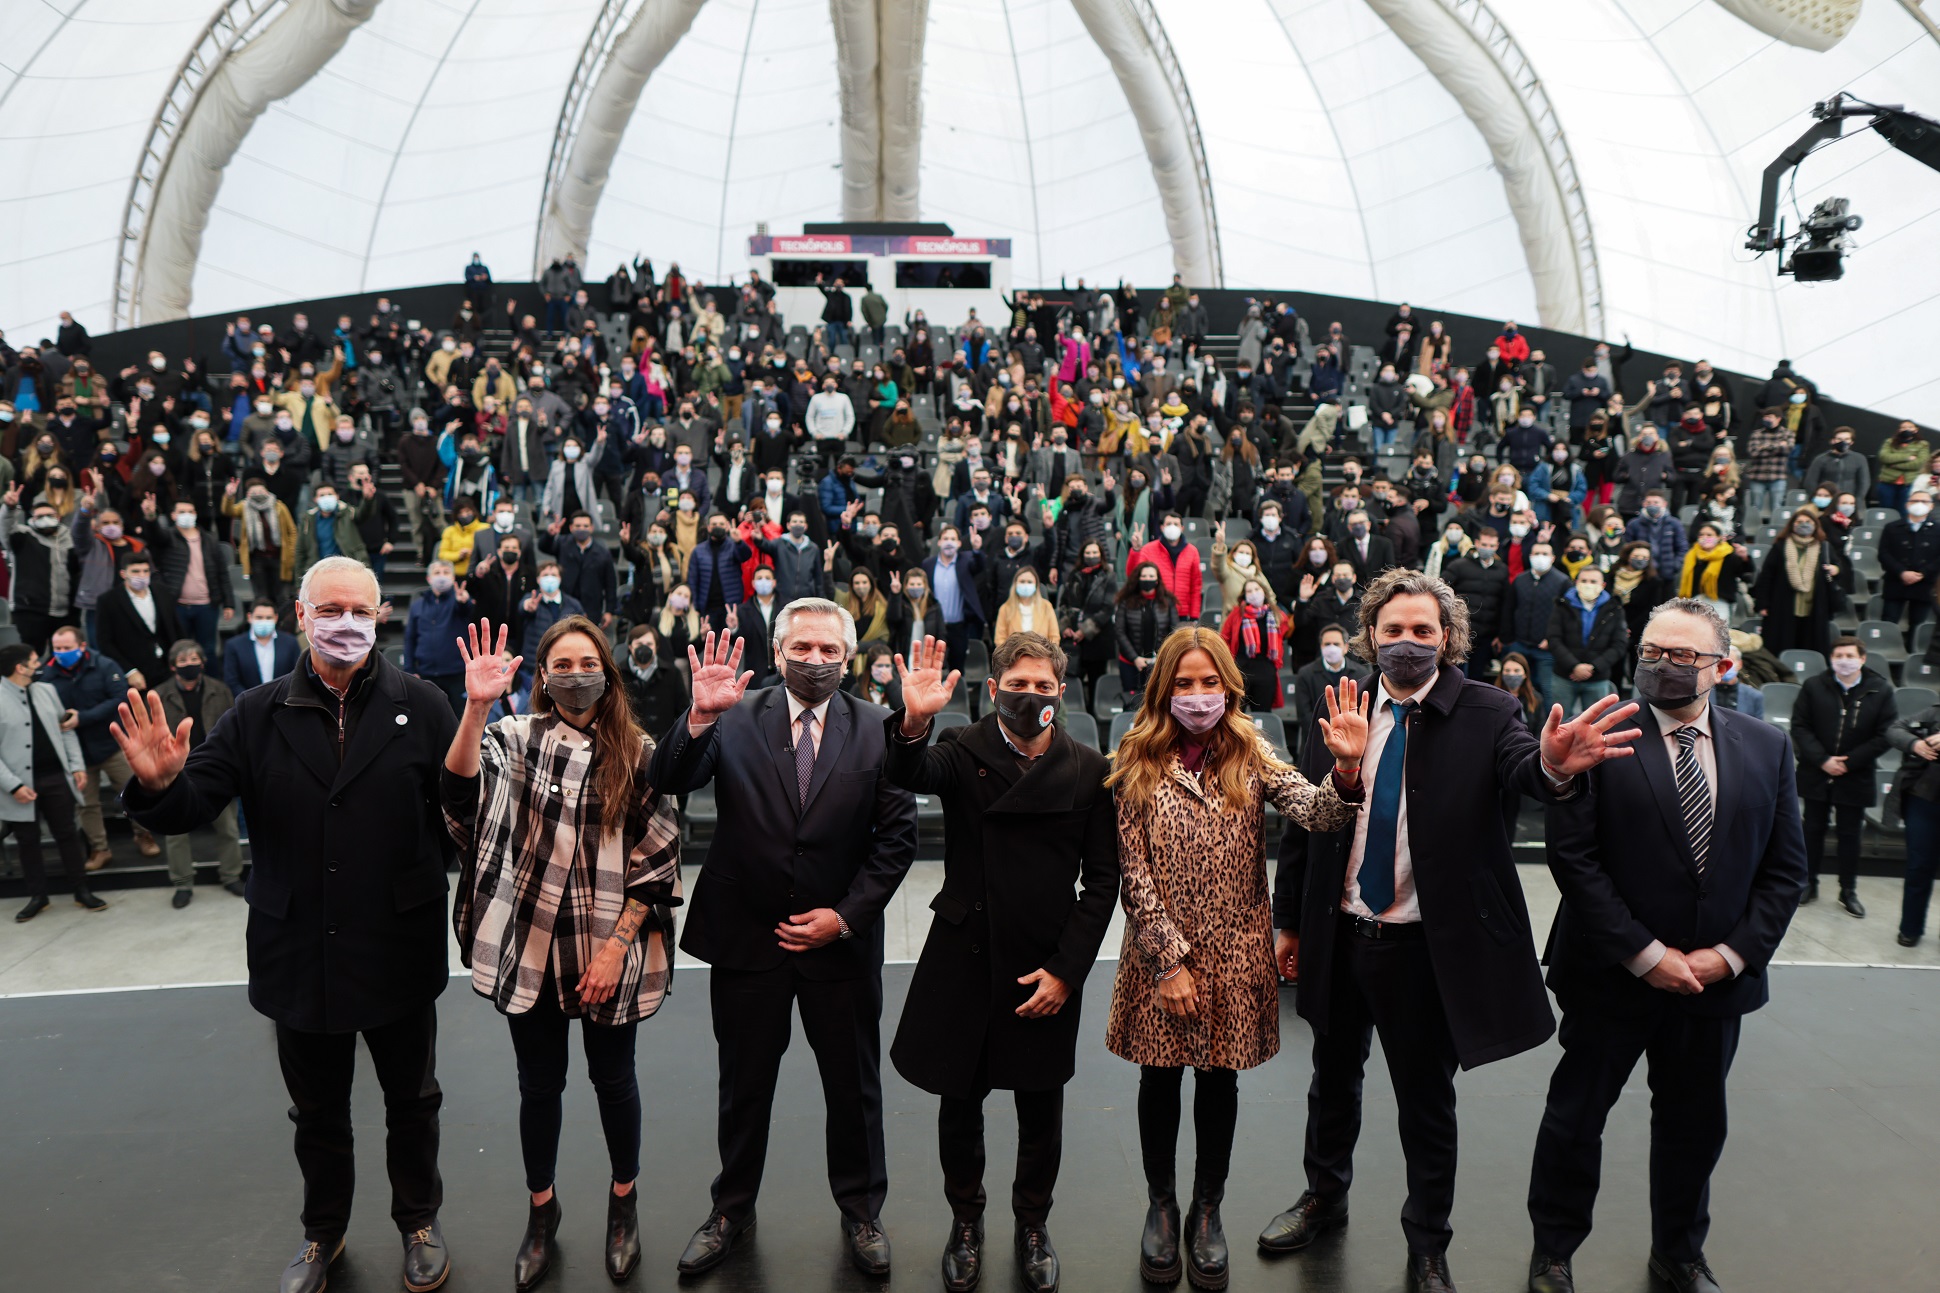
pixel 1541 562
pixel 1918 510
pixel 1244 560
pixel 1171 533
pixel 1519 530
pixel 1333 654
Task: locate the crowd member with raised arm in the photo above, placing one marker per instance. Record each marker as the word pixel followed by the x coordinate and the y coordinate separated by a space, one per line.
pixel 569 867
pixel 994 1004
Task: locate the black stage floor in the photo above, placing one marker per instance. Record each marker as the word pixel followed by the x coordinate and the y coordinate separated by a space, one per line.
pixel 144 1145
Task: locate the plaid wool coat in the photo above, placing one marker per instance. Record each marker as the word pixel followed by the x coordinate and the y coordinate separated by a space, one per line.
pixel 541 885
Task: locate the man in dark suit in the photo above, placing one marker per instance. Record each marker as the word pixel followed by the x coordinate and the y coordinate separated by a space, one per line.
pixel 245 655
pixel 994 1004
pixel 1369 553
pixel 338 766
pixel 134 626
pixel 953 575
pixel 1680 870
pixel 1422 935
pixel 812 843
pixel 1909 553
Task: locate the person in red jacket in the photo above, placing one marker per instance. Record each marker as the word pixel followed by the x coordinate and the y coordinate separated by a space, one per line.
pixel 1178 563
pixel 1513 345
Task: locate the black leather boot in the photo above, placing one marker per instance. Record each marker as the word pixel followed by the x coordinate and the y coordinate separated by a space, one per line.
pixel 537 1248
pixel 622 1234
pixel 1158 1249
pixel 1206 1256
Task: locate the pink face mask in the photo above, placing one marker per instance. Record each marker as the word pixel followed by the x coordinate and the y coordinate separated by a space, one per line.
pixel 342 640
pixel 1199 714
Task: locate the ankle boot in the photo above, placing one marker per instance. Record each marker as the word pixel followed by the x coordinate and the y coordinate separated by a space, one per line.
pixel 536 1249
pixel 622 1234
pixel 1205 1238
pixel 1158 1250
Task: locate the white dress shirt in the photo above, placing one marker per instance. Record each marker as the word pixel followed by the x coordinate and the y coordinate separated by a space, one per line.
pixel 144 607
pixel 265 657
pixel 1405 910
pixel 1706 753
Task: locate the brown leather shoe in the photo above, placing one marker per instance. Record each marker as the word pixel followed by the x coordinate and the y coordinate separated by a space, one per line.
pixel 100 858
pixel 148 845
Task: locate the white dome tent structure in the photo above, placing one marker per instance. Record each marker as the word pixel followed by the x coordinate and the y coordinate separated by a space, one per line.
pixel 1589 165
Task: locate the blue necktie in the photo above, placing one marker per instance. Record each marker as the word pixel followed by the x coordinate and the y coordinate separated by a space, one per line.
pixel 1384 815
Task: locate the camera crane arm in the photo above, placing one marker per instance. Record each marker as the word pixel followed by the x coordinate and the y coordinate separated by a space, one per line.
pixel 1914 135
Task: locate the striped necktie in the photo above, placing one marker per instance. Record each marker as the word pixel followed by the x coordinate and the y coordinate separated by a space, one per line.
pixel 1693 795
pixel 805 755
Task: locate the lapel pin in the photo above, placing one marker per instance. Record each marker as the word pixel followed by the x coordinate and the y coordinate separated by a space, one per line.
pixel 402 719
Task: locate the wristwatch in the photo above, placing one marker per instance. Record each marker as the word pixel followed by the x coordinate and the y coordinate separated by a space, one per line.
pixel 842 929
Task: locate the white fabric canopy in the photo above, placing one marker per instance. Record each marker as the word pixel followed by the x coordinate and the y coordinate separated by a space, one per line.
pixel 1341 160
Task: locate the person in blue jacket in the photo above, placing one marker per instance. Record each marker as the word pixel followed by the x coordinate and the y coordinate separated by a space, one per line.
pixel 439 614
pixel 714 572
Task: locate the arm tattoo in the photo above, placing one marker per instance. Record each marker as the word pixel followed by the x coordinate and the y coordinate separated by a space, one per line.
pixel 628 926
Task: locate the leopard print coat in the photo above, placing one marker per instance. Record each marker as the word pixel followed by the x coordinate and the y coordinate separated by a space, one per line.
pixel 1195 890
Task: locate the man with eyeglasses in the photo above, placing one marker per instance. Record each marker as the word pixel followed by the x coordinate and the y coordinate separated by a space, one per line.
pixel 1679 869
pixel 337 764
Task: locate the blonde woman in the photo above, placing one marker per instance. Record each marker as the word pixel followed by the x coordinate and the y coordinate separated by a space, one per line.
pixel 1197 985
pixel 866 604
pixel 679 626
pixel 1234 566
pixel 1028 609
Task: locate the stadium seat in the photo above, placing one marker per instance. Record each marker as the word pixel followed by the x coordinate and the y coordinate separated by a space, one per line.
pixel 1802 662
pixel 1120 724
pixel 1780 697
pixel 1911 701
pixel 1882 639
pixel 1082 727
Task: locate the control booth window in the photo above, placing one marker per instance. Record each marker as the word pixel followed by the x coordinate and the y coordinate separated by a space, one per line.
pixel 801 273
pixel 943 273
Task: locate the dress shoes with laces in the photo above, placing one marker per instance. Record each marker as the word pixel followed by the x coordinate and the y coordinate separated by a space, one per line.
pixel 1307 1220
pixel 1037 1261
pixel 622 1234
pixel 427 1262
pixel 868 1246
pixel 1908 940
pixel 963 1257
pixel 1849 899
pixel 84 899
pixel 182 898
pixel 1158 1247
pixel 1208 1263
pixel 35 906
pixel 713 1242
pixel 1428 1273
pixel 1684 1277
pixel 1550 1274
pixel 309 1270
pixel 536 1250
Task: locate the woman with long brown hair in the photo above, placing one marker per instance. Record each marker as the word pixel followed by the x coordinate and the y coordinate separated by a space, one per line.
pixel 1196 980
pixel 570 863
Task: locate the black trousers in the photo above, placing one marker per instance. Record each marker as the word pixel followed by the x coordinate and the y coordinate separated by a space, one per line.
pixel 541 1040
pixel 53 804
pixel 1850 819
pixel 1389 985
pixel 842 1020
pixel 1689 1058
pixel 1040 1152
pixel 317 1069
pixel 1215 1114
pixel 36 627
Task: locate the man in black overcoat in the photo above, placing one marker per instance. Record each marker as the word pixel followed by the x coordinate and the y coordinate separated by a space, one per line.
pixel 811 844
pixel 1411 921
pixel 994 1002
pixel 337 764
pixel 1680 870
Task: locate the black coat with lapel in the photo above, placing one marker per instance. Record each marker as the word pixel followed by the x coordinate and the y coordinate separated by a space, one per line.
pixel 346 893
pixel 771 858
pixel 1016 841
pixel 1621 857
pixel 1467 747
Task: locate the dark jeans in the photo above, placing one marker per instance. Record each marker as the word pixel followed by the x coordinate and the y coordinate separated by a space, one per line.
pixel 452 685
pixel 956 644
pixel 540 1040
pixel 1040 1151
pixel 1922 855
pixel 35 627
pixel 1849 818
pixel 1132 679
pixel 317 1069
pixel 842 1019
pixel 266 578
pixel 1915 609
pixel 199 623
pixel 1387 985
pixel 556 313
pixel 53 804
pixel 1215 1113
pixel 1689 1057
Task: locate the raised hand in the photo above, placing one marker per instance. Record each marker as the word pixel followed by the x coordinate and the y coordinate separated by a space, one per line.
pixel 717 683
pixel 925 689
pixel 487 675
pixel 1586 740
pixel 155 755
pixel 1344 730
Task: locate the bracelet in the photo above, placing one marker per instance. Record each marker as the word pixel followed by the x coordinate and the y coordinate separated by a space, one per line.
pixel 1163 975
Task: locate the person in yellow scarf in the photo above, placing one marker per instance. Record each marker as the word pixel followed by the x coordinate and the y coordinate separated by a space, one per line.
pixel 1713 568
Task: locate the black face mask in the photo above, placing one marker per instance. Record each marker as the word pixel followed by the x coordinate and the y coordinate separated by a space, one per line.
pixel 1666 685
pixel 812 682
pixel 1025 714
pixel 643 655
pixel 188 672
pixel 1407 664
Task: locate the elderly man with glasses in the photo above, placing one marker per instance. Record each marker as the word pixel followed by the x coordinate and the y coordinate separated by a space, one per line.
pixel 337 764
